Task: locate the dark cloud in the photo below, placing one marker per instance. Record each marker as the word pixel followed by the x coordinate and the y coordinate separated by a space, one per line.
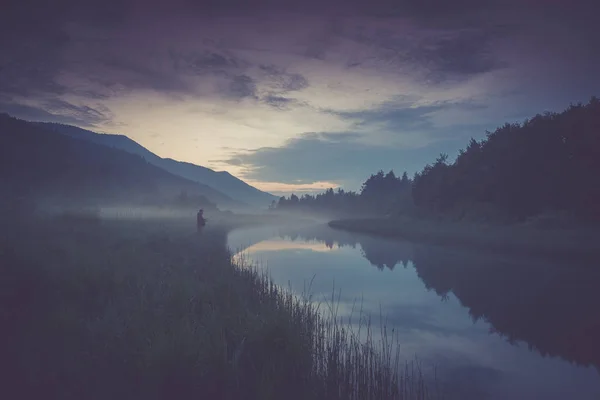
pixel 329 157
pixel 35 114
pixel 401 118
pixel 240 87
pixel 91 94
pixel 30 60
pixel 438 55
pixel 111 12
pixel 284 81
pixel 33 37
pixel 58 111
pixel 393 117
pixel 213 61
pixel 278 102
pixel 89 115
pixel 295 82
pixel 207 62
pixel 464 54
pixel 138 74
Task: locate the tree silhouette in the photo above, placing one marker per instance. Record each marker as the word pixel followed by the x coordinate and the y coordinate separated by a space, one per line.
pixel 380 193
pixel 546 164
pixel 549 164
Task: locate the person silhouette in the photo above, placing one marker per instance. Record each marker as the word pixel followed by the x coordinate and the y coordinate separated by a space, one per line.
pixel 200 220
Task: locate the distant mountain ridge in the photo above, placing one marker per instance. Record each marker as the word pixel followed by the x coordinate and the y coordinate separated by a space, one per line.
pixel 42 163
pixel 222 181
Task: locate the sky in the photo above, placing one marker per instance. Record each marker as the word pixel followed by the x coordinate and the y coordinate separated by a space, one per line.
pixel 297 96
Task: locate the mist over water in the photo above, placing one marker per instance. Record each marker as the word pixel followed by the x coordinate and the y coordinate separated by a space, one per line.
pixel 493 327
pixel 125 212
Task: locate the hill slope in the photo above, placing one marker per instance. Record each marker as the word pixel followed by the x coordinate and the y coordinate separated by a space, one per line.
pixel 43 163
pixel 547 165
pixel 222 181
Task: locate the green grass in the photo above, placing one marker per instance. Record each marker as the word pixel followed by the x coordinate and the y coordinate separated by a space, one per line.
pixel 109 309
pixel 520 239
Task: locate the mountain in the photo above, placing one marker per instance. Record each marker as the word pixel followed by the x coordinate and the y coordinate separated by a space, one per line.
pixel 42 163
pixel 221 181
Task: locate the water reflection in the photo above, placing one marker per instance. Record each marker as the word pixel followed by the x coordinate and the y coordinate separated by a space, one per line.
pixel 379 252
pixel 492 322
pixel 552 307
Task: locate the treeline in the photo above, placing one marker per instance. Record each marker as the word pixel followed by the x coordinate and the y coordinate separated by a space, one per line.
pixel 549 164
pixel 194 200
pixel 383 192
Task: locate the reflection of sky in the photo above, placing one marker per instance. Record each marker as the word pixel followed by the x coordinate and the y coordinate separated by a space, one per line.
pixel 282 244
pixel 435 330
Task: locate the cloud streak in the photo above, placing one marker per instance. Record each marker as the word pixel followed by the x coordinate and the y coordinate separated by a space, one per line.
pixel 315 157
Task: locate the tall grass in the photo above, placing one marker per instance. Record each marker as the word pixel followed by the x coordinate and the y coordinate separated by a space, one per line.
pixel 140 310
pixel 343 361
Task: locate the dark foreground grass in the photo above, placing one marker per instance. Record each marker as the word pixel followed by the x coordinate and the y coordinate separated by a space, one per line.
pixel 94 309
pixel 519 239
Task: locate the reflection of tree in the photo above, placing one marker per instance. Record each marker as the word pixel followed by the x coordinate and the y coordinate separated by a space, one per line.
pixel 319 233
pixel 551 308
pixel 381 253
pixel 386 253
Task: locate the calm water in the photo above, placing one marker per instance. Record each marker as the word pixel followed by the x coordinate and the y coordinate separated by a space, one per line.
pixel 496 328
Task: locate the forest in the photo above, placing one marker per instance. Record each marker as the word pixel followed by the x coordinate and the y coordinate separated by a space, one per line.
pixel 546 165
pixel 381 191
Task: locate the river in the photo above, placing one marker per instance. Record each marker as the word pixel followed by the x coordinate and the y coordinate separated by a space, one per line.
pixel 494 327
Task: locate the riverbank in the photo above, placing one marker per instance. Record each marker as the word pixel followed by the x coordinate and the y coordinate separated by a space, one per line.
pixel 507 238
pixel 223 219
pixel 96 309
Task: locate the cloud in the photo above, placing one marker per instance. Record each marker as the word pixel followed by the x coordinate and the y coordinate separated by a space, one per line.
pixel 403 124
pixel 337 158
pixel 240 87
pixel 83 113
pixel 458 56
pixel 235 161
pixel 30 60
pixel 210 61
pixel 281 80
pixel 392 116
pixel 295 82
pixel 139 74
pixel 58 111
pixel 386 84
pixel 279 102
pixel 396 135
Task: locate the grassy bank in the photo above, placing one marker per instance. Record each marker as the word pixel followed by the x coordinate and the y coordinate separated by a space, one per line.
pixel 500 238
pixel 223 219
pixel 98 309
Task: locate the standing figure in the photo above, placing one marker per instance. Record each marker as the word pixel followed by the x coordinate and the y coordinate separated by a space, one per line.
pixel 200 220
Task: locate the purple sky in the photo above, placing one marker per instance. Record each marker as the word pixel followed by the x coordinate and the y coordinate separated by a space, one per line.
pixel 297 95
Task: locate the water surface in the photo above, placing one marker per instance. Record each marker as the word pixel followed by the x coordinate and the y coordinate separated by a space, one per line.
pixel 494 327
